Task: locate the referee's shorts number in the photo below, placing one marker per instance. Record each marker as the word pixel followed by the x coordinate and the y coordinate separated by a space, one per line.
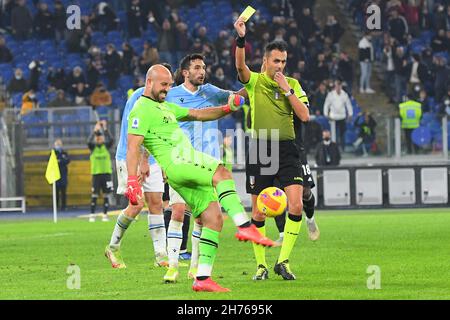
pixel 306 170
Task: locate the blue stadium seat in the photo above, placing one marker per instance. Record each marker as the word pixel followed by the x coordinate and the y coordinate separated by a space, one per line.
pixel 427 118
pixel 323 121
pixel 421 136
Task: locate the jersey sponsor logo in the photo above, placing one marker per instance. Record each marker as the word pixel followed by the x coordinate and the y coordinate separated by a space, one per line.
pixel 276 94
pixel 135 124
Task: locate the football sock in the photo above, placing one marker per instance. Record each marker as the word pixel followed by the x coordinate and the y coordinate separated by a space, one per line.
pixel 93 203
pixel 122 224
pixel 280 222
pixel 209 242
pixel 105 204
pixel 308 206
pixel 291 230
pixel 174 239
pixel 167 217
pixel 260 251
pixel 186 225
pixel 195 240
pixel 229 200
pixel 158 234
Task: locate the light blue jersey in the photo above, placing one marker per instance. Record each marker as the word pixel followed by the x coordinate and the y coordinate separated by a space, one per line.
pixel 121 152
pixel 204 136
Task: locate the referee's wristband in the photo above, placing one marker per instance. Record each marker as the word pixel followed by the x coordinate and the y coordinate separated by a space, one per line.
pixel 240 42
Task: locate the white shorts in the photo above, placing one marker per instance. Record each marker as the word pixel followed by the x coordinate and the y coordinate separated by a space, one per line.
pixel 175 197
pixel 154 183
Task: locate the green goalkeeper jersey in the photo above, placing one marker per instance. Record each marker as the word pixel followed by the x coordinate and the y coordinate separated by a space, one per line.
pixel 270 109
pixel 157 122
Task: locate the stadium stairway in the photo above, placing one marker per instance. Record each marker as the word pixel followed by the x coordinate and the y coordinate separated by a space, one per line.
pixel 378 104
pixel 39 193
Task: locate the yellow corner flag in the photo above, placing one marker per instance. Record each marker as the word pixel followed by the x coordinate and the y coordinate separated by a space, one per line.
pixel 52 173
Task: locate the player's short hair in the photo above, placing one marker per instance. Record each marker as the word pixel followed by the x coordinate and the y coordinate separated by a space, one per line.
pixel 275 45
pixel 186 61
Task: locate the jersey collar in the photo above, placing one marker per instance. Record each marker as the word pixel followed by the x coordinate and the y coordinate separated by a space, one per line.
pixel 190 92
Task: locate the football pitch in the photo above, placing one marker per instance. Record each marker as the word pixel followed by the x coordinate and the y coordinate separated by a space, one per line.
pixel 403 253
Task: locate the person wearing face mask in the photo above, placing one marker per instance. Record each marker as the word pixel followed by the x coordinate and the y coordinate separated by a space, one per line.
pixel 18 83
pixel 29 102
pixel 61 184
pixel 113 64
pixel 327 153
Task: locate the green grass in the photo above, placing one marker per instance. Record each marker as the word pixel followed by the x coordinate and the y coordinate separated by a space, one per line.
pixel 411 247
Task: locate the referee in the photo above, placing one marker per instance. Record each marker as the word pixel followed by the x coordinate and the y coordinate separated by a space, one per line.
pixel 274 99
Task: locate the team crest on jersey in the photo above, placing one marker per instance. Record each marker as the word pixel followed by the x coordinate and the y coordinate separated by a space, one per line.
pixel 135 124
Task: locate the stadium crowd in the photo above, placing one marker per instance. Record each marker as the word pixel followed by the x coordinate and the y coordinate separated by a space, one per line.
pixel 119 40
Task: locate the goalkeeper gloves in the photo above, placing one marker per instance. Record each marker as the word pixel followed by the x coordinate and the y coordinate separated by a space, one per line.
pixel 134 190
pixel 235 101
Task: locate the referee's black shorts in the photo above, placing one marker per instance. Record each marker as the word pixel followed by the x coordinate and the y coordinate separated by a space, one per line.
pixel 264 165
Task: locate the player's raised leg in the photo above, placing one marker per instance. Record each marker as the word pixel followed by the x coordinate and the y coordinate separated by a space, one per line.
pixel 230 201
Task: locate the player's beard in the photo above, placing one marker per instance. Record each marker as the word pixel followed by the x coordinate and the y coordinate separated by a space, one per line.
pixel 161 95
pixel 197 81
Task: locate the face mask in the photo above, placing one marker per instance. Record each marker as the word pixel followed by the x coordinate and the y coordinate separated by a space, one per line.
pixel 18 77
pixel 327 139
pixel 221 77
pixel 58 148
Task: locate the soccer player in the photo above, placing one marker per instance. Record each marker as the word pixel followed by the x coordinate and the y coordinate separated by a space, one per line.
pixel 274 99
pixel 201 180
pixel 192 93
pixel 99 143
pixel 153 186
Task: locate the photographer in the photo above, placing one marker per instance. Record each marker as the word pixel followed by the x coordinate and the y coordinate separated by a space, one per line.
pixel 99 142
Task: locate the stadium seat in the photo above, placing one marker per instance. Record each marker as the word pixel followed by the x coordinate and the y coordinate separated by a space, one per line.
pixel 421 136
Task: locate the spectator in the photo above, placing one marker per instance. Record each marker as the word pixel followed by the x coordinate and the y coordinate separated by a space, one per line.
pixel 100 96
pixel 35 74
pixel 60 100
pixel 338 108
pixel 74 78
pixel 441 72
pixel 306 23
pixel 92 76
pixel 439 42
pixel 366 56
pixel 149 57
pixel 219 79
pixel 327 153
pixel 398 27
pixel 134 14
pixel 321 71
pixel 400 73
pixel 128 58
pixel 166 40
pixel 416 72
pixel 44 22
pixel 18 83
pixel 29 102
pixel 57 78
pixel 333 31
pixel 61 184
pixel 5 53
pixel 113 65
pixel 81 94
pixel 105 18
pixel 318 99
pixel 345 71
pixel 60 19
pixel 424 100
pixel 183 40
pixel 366 125
pixel 410 115
pixel 21 21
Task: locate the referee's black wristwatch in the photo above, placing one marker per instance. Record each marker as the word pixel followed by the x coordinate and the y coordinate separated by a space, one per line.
pixel 289 93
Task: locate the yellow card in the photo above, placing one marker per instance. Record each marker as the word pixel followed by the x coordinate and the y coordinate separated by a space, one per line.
pixel 247 14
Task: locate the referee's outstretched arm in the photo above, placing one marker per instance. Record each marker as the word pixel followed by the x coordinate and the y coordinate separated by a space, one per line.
pixel 242 68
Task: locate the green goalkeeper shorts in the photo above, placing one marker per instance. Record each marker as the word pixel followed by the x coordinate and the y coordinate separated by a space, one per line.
pixel 192 179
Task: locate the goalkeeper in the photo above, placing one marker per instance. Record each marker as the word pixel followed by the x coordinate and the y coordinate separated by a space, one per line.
pixel 194 175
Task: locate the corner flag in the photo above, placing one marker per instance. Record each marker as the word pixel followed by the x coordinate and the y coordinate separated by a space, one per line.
pixel 52 173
